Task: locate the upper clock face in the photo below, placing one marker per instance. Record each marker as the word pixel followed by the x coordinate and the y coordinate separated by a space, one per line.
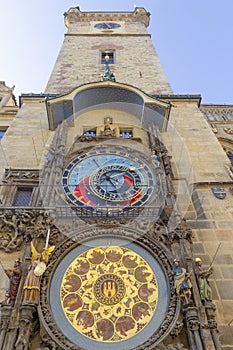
pixel 106 25
pixel 104 178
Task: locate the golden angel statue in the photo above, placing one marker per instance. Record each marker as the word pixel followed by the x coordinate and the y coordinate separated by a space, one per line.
pixel 37 268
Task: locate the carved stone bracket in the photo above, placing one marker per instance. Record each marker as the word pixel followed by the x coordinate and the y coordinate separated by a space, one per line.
pixel 16 331
pixel 26 325
pixel 181 233
pixel 210 313
pixel 6 311
pixel 193 327
pixel 191 315
pixel 161 234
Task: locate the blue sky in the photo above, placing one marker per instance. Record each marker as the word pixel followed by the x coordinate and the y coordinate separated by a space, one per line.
pixel 193 38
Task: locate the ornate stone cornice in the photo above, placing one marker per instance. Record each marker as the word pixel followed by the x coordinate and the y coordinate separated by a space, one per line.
pixel 75 15
pixel 217 112
pixel 22 225
pixel 20 175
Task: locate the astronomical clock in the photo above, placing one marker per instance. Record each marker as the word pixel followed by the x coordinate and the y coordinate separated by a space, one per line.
pixel 107 260
pixel 109 178
pixel 109 282
pixel 109 285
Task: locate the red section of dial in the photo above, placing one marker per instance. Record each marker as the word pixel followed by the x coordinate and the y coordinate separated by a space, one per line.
pixel 80 192
pixel 82 189
pixel 130 182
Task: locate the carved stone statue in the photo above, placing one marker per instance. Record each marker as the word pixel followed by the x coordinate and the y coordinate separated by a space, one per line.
pixel 202 280
pixel 108 132
pixel 182 281
pixel 56 156
pixel 107 74
pixel 38 266
pixel 166 158
pixel 15 277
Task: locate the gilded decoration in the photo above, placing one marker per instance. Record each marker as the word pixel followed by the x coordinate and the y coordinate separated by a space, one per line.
pixel 109 293
pixel 133 242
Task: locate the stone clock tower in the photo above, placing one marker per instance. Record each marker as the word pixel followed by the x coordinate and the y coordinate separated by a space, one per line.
pixel 114 230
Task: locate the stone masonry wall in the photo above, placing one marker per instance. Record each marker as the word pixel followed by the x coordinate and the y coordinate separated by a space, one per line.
pixel 211 221
pixel 136 62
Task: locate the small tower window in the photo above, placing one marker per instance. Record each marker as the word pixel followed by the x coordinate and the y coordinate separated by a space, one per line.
pixel 23 197
pixel 126 133
pixel 110 54
pixel 91 132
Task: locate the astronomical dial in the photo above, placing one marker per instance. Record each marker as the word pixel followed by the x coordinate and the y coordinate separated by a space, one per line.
pixel 108 178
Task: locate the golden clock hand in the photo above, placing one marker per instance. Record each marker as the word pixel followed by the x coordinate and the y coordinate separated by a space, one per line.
pixel 114 175
pixel 123 172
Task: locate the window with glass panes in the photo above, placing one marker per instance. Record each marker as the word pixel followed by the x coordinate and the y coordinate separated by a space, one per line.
pixel 23 197
pixel 110 54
